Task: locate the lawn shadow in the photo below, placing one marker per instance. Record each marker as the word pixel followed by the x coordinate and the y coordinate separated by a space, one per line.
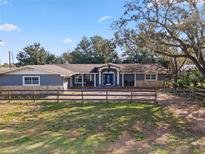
pixel 76 127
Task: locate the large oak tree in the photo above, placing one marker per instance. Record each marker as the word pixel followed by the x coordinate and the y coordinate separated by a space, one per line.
pixel 173 28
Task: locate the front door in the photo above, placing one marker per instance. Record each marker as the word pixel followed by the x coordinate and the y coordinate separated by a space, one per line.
pixel 108 79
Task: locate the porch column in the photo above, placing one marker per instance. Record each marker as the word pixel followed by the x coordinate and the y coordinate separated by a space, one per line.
pixel 100 80
pixel 135 78
pixel 94 80
pixel 118 78
pixel 82 80
pixel 123 82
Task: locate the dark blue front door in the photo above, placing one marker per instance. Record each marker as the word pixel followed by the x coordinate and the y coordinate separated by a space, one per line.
pixel 108 79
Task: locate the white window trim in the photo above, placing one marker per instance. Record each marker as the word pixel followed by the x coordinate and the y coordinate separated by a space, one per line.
pixel 151 79
pixel 90 77
pixel 90 74
pixel 23 78
pixel 76 82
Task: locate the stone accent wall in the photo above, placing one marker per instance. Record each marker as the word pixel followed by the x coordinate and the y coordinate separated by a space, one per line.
pixel 31 87
pixel 149 84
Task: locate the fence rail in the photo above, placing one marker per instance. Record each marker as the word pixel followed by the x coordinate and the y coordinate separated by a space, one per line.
pixel 81 95
pixel 192 93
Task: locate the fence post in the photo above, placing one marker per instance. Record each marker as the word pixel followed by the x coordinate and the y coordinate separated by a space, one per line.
pixel 82 96
pixel 131 95
pixel 156 97
pixel 58 96
pixel 106 96
pixel 34 96
pixel 195 95
pixel 191 93
pixel 9 96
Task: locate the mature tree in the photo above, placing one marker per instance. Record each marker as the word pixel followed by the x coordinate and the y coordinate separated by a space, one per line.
pixel 138 57
pixel 83 53
pixel 67 57
pixel 104 50
pixel 36 55
pixel 173 28
pixel 92 50
pixel 135 53
pixel 53 59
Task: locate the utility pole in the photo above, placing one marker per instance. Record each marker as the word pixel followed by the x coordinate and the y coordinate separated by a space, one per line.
pixel 12 55
pixel 9 59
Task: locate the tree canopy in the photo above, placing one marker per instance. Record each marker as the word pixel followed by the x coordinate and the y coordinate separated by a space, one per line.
pixel 172 28
pixel 36 55
pixel 93 50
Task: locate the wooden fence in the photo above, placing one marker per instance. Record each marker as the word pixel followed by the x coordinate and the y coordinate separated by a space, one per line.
pixel 192 93
pixel 81 95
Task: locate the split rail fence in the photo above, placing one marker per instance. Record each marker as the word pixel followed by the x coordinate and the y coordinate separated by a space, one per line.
pixel 192 93
pixel 80 95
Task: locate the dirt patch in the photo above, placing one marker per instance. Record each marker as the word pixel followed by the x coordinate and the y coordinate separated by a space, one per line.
pixel 126 143
pixel 7 108
pixel 193 114
pixel 142 136
pixel 73 133
pixel 162 134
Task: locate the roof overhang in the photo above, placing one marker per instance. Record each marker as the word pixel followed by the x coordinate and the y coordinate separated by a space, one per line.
pixel 29 67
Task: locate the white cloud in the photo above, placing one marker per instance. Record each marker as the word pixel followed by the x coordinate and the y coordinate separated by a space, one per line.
pixel 8 27
pixel 68 40
pixel 2 43
pixel 103 18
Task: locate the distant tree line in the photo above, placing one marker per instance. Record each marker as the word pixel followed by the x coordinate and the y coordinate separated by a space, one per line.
pixel 93 50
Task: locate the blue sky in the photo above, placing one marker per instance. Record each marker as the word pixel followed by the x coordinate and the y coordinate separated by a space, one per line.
pixel 57 24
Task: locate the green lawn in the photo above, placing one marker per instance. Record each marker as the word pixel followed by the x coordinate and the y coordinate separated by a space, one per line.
pixel 75 127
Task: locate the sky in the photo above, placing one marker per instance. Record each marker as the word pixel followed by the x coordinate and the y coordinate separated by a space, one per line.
pixel 58 25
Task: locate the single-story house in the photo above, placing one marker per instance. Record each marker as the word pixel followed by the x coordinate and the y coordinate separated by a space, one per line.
pixel 65 76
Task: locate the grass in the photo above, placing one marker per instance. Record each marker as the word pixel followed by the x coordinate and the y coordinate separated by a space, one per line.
pixel 90 127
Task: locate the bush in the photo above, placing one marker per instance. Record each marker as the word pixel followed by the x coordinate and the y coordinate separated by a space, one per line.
pixel 190 78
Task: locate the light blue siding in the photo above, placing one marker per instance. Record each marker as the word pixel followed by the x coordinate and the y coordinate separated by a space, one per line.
pixel 45 80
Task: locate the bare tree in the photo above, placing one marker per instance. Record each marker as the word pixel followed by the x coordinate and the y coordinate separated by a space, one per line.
pixel 173 28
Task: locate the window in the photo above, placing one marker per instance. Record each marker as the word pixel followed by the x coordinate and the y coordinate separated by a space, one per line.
pixel 31 80
pixel 87 77
pixel 129 80
pixel 78 78
pixel 150 77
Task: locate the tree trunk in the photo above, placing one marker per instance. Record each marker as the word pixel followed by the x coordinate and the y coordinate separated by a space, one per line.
pixel 197 64
pixel 175 83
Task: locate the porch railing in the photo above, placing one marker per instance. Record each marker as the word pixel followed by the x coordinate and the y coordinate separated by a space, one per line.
pixel 81 95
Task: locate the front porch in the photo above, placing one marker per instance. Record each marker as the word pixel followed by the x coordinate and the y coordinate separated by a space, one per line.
pixel 107 76
pixel 111 76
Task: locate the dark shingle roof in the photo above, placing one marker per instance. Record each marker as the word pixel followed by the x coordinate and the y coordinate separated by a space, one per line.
pixel 71 69
pixel 142 68
pixel 79 68
pixel 51 69
pixel 55 69
pixel 124 68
